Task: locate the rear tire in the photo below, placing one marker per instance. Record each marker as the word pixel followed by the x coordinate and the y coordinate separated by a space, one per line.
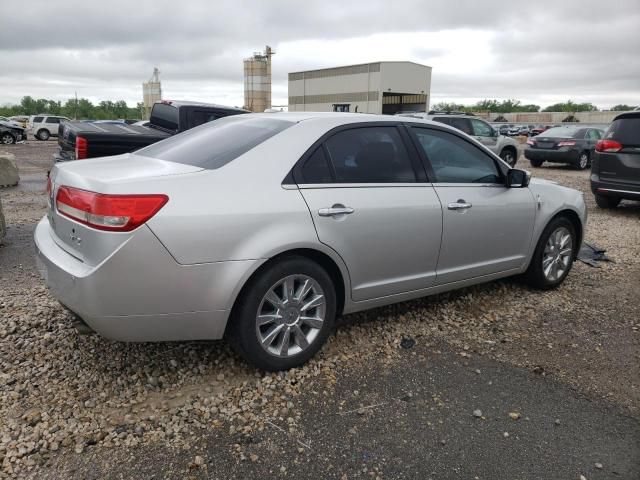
pixel 583 161
pixel 536 163
pixel 43 134
pixel 607 202
pixel 553 245
pixel 287 333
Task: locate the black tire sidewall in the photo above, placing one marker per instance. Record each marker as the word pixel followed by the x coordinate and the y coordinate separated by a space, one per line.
pixel 586 165
pixel 505 152
pixel 7 135
pixel 242 329
pixel 536 163
pixel 535 275
pixel 607 202
pixel 43 133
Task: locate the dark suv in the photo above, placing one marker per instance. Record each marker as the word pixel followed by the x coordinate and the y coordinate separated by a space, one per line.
pixel 615 169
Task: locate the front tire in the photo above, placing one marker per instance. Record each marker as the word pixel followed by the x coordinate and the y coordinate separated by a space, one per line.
pixel 43 135
pixel 509 156
pixel 284 314
pixel 607 202
pixel 7 139
pixel 554 254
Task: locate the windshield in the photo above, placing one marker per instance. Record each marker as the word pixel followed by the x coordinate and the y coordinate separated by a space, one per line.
pixel 217 143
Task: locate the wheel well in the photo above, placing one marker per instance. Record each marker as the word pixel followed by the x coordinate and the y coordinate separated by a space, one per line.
pixel 316 256
pixel 575 221
pixel 513 149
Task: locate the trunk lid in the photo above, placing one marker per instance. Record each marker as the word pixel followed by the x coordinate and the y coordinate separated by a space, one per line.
pixel 122 174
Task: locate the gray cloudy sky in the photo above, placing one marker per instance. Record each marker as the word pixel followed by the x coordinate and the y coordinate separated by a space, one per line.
pixel 539 52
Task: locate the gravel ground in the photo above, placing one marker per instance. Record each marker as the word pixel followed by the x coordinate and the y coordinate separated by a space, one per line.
pixel 85 407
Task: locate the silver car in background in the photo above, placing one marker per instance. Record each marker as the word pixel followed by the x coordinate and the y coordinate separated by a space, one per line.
pixel 262 228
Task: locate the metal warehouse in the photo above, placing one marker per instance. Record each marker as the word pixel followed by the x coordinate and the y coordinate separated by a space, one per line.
pixel 381 87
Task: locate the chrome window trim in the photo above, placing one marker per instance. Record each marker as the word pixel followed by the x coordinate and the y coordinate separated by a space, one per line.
pixel 363 185
pixel 489 185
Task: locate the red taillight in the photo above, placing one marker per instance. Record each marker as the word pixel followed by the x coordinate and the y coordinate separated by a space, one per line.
pixel 81 148
pixel 608 146
pixel 530 142
pixel 115 213
pixel 567 143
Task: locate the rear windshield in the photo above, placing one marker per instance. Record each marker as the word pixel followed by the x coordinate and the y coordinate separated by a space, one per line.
pixel 165 116
pixel 561 132
pixel 625 130
pixel 215 144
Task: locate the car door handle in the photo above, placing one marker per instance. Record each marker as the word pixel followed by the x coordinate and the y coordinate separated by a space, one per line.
pixel 459 205
pixel 335 210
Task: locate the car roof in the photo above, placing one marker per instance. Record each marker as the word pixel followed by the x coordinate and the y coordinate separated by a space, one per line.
pixel 184 103
pixel 633 114
pixel 343 117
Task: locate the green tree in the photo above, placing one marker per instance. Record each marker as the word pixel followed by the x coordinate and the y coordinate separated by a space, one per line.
pixel 570 106
pixel 623 108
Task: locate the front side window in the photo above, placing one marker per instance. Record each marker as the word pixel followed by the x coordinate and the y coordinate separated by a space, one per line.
pixel 53 120
pixel 481 129
pixel 455 161
pixel 370 155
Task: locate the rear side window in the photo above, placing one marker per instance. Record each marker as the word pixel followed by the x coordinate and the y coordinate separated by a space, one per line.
pixel 370 155
pixel 38 119
pixel 215 144
pixel 481 129
pixel 165 116
pixel 624 130
pixel 316 168
pixel 455 161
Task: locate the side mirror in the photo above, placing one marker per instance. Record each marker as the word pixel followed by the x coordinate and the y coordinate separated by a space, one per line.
pixel 496 133
pixel 518 178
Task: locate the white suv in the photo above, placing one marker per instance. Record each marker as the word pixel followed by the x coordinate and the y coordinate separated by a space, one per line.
pixel 44 126
pixel 505 147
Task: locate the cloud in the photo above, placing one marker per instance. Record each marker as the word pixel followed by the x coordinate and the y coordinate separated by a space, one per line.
pixel 540 54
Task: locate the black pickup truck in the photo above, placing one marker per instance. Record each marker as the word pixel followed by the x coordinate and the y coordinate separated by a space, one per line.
pixel 78 140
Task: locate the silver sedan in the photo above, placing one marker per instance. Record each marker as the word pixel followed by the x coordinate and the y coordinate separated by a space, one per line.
pixel 262 228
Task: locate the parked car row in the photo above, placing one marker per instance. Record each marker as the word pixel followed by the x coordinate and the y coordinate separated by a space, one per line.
pixel 568 144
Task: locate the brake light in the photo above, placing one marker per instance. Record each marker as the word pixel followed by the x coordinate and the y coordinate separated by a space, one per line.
pixel 567 143
pixel 81 148
pixel 608 146
pixel 530 142
pixel 115 213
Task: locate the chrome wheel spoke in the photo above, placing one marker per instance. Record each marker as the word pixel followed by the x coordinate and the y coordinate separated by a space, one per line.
pixel 304 290
pixel 313 303
pixel 274 299
pixel 288 290
pixel 299 337
pixel 271 336
pixel 268 318
pixel 283 348
pixel 565 252
pixel 313 322
pixel 556 257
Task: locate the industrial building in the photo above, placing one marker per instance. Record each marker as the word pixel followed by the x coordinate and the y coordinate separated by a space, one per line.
pixel 151 93
pixel 380 87
pixel 257 81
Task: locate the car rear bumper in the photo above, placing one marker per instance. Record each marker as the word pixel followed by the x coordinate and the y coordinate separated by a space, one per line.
pixel 139 292
pixel 614 189
pixel 556 156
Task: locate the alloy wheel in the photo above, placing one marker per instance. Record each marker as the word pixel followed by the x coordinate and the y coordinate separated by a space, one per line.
pixel 583 160
pixel 556 258
pixel 290 315
pixel 7 139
